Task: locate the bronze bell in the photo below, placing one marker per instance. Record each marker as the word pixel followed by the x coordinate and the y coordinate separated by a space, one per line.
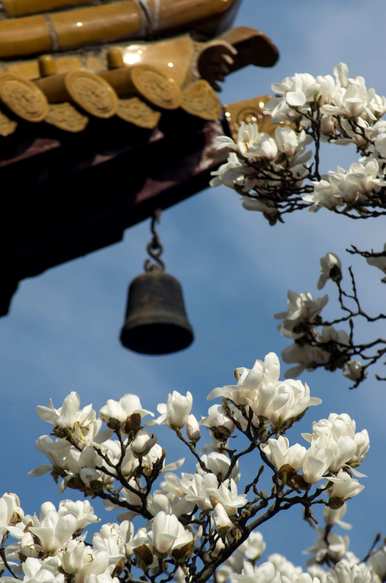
pixel 156 321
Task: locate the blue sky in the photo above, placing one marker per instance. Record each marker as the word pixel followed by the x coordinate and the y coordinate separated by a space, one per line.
pixel 62 333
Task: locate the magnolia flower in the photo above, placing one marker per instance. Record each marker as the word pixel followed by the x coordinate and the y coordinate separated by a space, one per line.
pixel 318 459
pixel 302 311
pixel 124 409
pixel 339 338
pixel 113 540
pixel 11 513
pixel 221 519
pixel 377 562
pixel 266 148
pixel 307 358
pixel 167 534
pixel 248 383
pixel 176 411
pixel 81 560
pixel 218 422
pixel 228 496
pixel 200 490
pixel 284 402
pixel 288 141
pixel 293 96
pixel 330 268
pixel 38 571
pixel 344 486
pixel 316 571
pixel 251 143
pixel 347 572
pixel 251 549
pixel 81 510
pixel 204 491
pixel 333 547
pixel 275 570
pixel 284 567
pixel 347 187
pixel 219 464
pixel 248 138
pixel 171 498
pixel 348 446
pixel 53 529
pixel 231 173
pixel 143 443
pixel 334 516
pixel 69 414
pixel 265 573
pixel 268 396
pixel 280 454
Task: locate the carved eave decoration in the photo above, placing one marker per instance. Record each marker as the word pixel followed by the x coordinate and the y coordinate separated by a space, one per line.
pixel 51 78
pixel 108 111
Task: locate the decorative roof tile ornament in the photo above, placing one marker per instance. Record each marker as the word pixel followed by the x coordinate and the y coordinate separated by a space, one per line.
pixel 108 111
pixel 63 62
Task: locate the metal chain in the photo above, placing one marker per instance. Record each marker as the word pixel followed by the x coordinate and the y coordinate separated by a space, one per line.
pixel 155 247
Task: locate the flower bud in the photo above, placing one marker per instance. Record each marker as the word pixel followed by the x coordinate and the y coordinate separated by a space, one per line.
pixel 221 519
pixel 143 443
pixel 193 428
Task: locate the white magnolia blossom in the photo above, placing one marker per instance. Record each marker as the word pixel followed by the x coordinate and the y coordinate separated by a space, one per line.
pixel 11 513
pixel 143 443
pixel 280 454
pixel 168 534
pixel 347 187
pixel 176 411
pixel 221 519
pixel 377 562
pixel 348 572
pixel 279 401
pixel 330 268
pixel 193 428
pixel 337 95
pixel 303 310
pixel 169 517
pixel 275 570
pixel 123 409
pixel 218 422
pixel 334 547
pixel 220 465
pixel 344 486
pixel 333 516
pixel 114 539
pixel 86 564
pixel 283 151
pixel 37 571
pixel 350 447
pixel 305 357
pixel 273 171
pixel 54 528
pixel 81 423
pixel 330 334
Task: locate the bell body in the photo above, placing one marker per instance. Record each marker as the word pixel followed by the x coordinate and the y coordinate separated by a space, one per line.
pixel 156 322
